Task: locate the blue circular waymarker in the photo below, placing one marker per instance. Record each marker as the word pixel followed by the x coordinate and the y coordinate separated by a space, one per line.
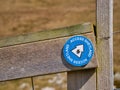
pixel 78 51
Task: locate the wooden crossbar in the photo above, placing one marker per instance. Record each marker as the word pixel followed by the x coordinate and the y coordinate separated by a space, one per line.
pixel 40 53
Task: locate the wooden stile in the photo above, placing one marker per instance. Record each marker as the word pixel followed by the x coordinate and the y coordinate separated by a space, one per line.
pixel 40 55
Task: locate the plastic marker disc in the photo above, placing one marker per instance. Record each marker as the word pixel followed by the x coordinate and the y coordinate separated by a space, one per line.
pixel 78 51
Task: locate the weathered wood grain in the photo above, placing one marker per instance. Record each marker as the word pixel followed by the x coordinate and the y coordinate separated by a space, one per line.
pixel 45 35
pixel 82 80
pixel 37 58
pixel 105 44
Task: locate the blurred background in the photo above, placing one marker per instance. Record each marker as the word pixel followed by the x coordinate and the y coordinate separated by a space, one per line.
pixel 26 16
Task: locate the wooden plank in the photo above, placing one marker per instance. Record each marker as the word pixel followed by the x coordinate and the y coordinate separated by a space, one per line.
pixel 82 80
pixel 49 34
pixel 105 44
pixel 37 58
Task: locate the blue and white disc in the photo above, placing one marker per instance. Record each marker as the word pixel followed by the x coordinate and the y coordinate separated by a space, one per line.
pixel 78 51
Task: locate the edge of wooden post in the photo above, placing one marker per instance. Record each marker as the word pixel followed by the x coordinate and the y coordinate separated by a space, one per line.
pixel 105 44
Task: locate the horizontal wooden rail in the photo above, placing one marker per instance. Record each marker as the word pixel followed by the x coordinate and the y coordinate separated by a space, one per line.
pixel 47 34
pixel 42 55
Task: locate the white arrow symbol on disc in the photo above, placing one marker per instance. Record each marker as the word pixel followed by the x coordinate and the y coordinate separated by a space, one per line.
pixel 78 50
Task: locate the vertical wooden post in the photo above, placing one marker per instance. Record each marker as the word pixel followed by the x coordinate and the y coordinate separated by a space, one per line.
pixel 81 80
pixel 105 44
